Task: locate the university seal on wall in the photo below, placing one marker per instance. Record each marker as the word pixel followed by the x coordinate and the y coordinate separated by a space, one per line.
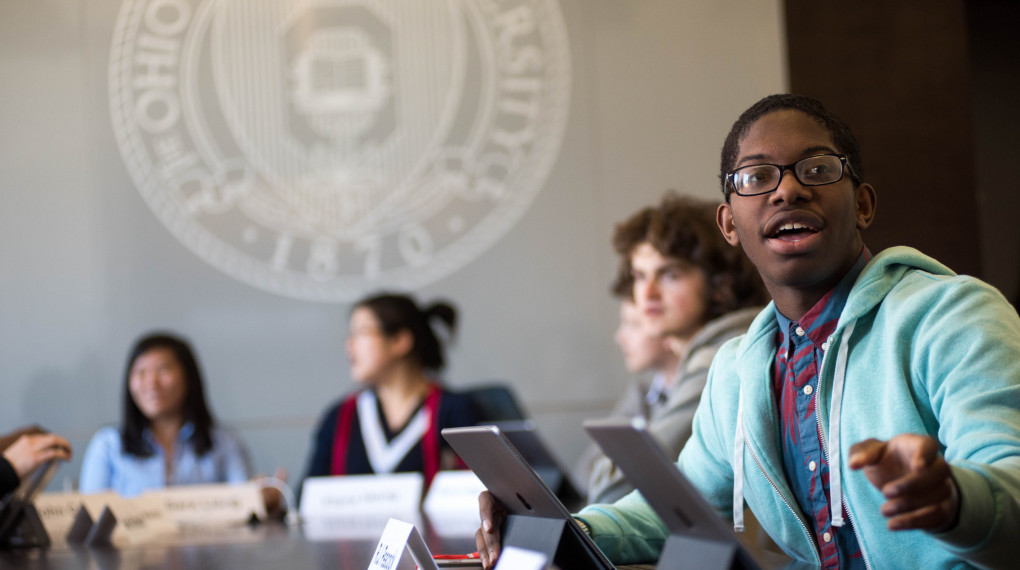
pixel 322 148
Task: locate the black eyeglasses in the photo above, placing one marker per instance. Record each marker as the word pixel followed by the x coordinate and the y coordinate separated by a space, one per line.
pixel 811 171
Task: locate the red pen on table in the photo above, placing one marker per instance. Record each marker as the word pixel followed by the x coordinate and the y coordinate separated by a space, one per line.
pixel 455 556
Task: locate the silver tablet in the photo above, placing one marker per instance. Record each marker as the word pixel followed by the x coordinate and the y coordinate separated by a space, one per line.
pixel 36 481
pixel 509 477
pixel 525 438
pixel 20 525
pixel 673 498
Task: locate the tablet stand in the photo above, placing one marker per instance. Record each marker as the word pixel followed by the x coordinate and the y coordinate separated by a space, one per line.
pixel 80 528
pixel 534 533
pixel 554 537
pixel 102 531
pixel 21 527
pixel 683 551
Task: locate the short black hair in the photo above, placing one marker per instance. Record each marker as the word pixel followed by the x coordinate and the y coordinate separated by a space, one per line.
pixel 195 409
pixel 842 136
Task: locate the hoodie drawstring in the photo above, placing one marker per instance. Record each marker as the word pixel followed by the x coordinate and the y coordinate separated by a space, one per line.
pixel 835 456
pixel 738 469
pixel 835 479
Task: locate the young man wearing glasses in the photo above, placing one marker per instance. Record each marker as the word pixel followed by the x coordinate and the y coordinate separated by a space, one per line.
pixel 870 417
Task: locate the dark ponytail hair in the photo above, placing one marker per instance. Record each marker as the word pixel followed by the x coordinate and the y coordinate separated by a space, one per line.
pixel 195 409
pixel 396 312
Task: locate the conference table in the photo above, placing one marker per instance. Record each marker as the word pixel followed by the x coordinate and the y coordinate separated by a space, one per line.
pixel 263 545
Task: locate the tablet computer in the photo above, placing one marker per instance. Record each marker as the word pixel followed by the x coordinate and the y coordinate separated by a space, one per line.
pixel 34 483
pixel 512 481
pixel 669 493
pixel 19 522
pixel 525 438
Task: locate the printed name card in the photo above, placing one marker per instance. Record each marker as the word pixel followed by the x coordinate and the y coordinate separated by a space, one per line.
pixel 211 504
pixel 513 558
pixel 143 519
pixel 397 493
pixel 397 537
pixel 359 526
pixel 451 504
pixel 96 524
pixel 453 492
pixel 58 512
pixel 96 502
pixel 119 519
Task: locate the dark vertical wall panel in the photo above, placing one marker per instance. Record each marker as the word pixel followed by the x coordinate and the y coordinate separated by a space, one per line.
pixel 898 73
pixel 995 87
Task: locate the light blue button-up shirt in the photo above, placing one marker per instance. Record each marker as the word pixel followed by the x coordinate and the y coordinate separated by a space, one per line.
pixel 107 467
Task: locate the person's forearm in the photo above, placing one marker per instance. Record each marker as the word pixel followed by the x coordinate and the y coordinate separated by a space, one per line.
pixel 9 479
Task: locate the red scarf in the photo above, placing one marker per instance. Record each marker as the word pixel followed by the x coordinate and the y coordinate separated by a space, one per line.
pixel 429 444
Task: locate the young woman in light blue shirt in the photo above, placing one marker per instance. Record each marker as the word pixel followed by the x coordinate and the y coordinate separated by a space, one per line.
pixel 167 436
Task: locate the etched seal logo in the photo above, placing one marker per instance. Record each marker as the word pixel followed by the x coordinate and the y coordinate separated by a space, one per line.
pixel 322 148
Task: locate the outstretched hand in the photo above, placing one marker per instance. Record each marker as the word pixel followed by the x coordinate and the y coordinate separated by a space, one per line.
pixel 914 478
pixel 487 540
pixel 31 451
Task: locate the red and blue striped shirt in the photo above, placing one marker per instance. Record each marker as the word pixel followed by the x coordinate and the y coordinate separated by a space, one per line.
pixel 801 346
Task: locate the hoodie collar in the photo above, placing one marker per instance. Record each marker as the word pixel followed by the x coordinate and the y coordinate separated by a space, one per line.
pixel 820 321
pixel 883 273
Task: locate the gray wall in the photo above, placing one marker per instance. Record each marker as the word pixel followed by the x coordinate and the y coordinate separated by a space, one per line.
pixel 87 266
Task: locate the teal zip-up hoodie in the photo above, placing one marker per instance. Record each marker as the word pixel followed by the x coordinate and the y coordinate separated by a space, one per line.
pixel 917 350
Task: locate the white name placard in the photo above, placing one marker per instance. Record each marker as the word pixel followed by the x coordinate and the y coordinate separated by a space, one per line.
pixel 142 519
pixel 451 504
pixel 211 504
pixel 394 495
pixel 58 511
pixel 358 526
pixel 397 537
pixel 96 503
pixel 513 558
pixel 453 492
